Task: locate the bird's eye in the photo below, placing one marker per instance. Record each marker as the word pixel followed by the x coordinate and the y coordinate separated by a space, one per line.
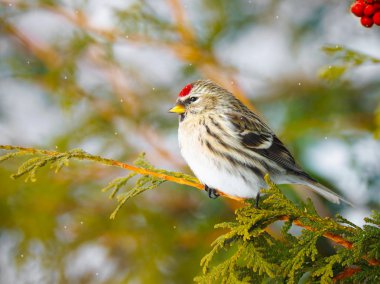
pixel 193 99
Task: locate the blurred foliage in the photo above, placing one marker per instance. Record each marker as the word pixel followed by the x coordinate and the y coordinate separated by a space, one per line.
pixel 349 58
pixel 113 81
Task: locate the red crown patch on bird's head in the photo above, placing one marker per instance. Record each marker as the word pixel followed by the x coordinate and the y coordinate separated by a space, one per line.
pixel 185 91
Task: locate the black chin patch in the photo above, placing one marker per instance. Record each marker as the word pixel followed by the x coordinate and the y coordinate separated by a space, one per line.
pixel 181 117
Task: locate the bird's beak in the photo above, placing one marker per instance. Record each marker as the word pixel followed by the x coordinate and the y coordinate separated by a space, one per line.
pixel 178 109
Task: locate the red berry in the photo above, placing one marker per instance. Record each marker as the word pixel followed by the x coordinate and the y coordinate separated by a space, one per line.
pixel 367 22
pixel 376 6
pixel 369 1
pixel 369 10
pixel 357 9
pixel 376 18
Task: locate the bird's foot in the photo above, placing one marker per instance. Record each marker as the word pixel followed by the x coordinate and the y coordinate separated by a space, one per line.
pixel 212 192
pixel 257 200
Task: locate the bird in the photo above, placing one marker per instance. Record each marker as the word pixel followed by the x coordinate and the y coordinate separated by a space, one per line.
pixel 230 149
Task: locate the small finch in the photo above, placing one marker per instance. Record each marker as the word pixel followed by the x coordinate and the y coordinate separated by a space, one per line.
pixel 230 149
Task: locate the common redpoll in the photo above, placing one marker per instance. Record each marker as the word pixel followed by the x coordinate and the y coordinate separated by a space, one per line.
pixel 230 149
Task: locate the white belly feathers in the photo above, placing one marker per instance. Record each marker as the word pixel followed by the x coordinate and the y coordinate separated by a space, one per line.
pixel 212 170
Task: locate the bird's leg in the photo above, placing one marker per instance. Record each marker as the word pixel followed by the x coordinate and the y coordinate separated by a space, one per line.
pixel 257 200
pixel 212 193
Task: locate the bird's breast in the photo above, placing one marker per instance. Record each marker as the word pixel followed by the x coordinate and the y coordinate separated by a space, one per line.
pixel 210 168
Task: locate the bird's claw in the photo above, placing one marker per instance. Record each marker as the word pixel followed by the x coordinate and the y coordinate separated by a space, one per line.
pixel 257 200
pixel 212 192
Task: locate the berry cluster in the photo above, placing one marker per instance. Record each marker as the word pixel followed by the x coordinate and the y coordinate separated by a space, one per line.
pixel 368 11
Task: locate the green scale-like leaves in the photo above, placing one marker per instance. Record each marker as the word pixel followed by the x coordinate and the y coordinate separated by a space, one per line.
pixel 248 252
pixel 254 256
pixel 143 183
pixel 57 160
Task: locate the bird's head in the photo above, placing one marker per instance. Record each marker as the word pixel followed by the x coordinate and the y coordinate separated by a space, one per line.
pixel 200 97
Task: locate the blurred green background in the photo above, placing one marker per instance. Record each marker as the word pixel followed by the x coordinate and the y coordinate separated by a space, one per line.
pixel 101 75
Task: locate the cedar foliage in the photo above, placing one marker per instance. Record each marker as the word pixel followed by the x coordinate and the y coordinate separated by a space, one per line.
pixel 248 253
pixel 255 256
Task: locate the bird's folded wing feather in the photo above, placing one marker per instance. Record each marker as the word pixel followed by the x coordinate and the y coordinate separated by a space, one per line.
pixel 258 137
pixel 256 140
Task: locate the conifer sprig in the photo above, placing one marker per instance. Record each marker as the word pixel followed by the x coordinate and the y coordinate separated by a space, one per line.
pixel 254 254
pixel 294 256
pixel 149 177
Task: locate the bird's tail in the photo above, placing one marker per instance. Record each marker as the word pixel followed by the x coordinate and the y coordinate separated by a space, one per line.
pixel 324 191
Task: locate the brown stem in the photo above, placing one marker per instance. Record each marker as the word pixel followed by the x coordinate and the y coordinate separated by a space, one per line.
pixel 333 237
pixel 182 22
pixel 39 49
pixel 142 171
pixel 346 273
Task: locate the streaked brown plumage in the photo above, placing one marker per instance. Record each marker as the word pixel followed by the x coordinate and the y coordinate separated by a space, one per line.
pixel 229 148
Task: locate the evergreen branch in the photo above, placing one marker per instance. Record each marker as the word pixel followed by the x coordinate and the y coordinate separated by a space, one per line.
pixel 178 178
pixel 78 154
pixel 250 229
pixel 82 155
pixel 149 178
pixel 292 257
pixel 333 237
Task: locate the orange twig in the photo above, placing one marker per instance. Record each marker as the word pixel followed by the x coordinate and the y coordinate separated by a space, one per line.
pixel 346 273
pixel 142 171
pixel 182 22
pixel 333 237
pixel 84 156
pixel 39 49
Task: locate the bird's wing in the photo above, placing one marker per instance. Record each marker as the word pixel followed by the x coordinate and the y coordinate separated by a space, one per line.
pixel 278 153
pixel 256 140
pixel 253 132
pixel 258 137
